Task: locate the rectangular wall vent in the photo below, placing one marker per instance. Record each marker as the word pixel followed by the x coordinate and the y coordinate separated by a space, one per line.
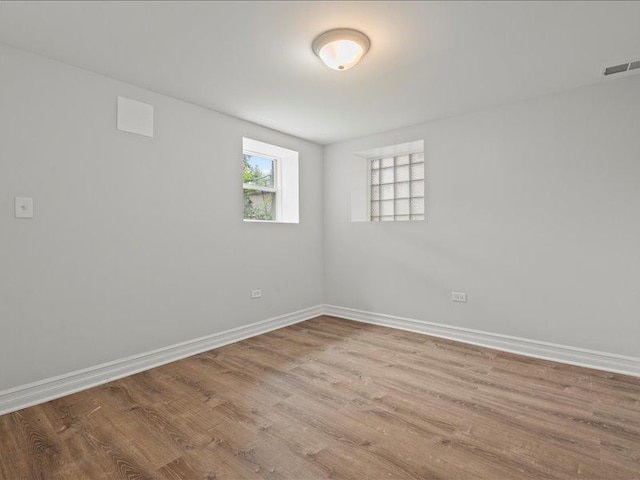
pixel 134 117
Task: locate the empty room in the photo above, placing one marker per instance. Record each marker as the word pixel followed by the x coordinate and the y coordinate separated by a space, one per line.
pixel 299 240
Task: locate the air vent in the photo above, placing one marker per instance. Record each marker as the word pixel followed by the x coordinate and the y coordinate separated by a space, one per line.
pixel 616 69
pixel 622 68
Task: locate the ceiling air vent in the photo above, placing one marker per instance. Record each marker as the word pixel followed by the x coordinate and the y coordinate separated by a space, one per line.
pixel 616 69
pixel 623 67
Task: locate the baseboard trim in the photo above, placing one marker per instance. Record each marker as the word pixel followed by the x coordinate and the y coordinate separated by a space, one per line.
pixel 34 393
pixel 609 362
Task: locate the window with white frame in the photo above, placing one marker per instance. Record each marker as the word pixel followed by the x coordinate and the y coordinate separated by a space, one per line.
pixel 260 186
pixel 269 183
pixel 396 187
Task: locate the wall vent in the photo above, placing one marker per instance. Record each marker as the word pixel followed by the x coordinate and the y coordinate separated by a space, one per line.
pixel 623 67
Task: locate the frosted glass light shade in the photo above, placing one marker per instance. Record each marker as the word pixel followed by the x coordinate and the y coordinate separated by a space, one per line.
pixel 342 48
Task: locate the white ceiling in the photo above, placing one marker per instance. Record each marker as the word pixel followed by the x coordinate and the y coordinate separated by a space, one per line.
pixel 253 60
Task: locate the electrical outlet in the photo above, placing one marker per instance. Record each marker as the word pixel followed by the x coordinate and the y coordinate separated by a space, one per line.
pixel 257 293
pixel 459 297
pixel 24 207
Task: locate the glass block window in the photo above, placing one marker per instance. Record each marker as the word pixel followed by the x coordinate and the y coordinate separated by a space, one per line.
pixel 397 188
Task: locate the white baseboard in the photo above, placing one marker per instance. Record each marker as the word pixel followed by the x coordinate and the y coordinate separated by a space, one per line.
pixel 609 362
pixel 34 393
pixel 24 396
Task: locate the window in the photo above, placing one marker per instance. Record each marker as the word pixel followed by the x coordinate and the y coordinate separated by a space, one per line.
pixel 269 183
pixel 260 187
pixel 397 188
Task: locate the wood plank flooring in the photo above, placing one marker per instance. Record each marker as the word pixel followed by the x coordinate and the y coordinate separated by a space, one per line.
pixel 330 398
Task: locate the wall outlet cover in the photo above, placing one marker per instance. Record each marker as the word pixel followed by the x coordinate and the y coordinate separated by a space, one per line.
pixel 24 207
pixel 458 297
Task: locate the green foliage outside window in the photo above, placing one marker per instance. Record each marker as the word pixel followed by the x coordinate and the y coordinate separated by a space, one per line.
pixel 258 204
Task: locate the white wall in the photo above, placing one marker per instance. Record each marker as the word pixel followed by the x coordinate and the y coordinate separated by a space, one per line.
pixel 137 243
pixel 532 209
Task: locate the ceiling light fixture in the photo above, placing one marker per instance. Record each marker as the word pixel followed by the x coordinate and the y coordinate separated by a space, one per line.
pixel 342 48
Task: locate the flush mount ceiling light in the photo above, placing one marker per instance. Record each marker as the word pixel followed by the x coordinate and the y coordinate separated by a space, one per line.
pixel 342 48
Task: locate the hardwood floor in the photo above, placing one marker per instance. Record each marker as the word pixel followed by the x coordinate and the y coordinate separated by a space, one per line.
pixel 330 398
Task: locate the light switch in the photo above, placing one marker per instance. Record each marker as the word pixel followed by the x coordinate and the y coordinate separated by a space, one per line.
pixel 24 207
